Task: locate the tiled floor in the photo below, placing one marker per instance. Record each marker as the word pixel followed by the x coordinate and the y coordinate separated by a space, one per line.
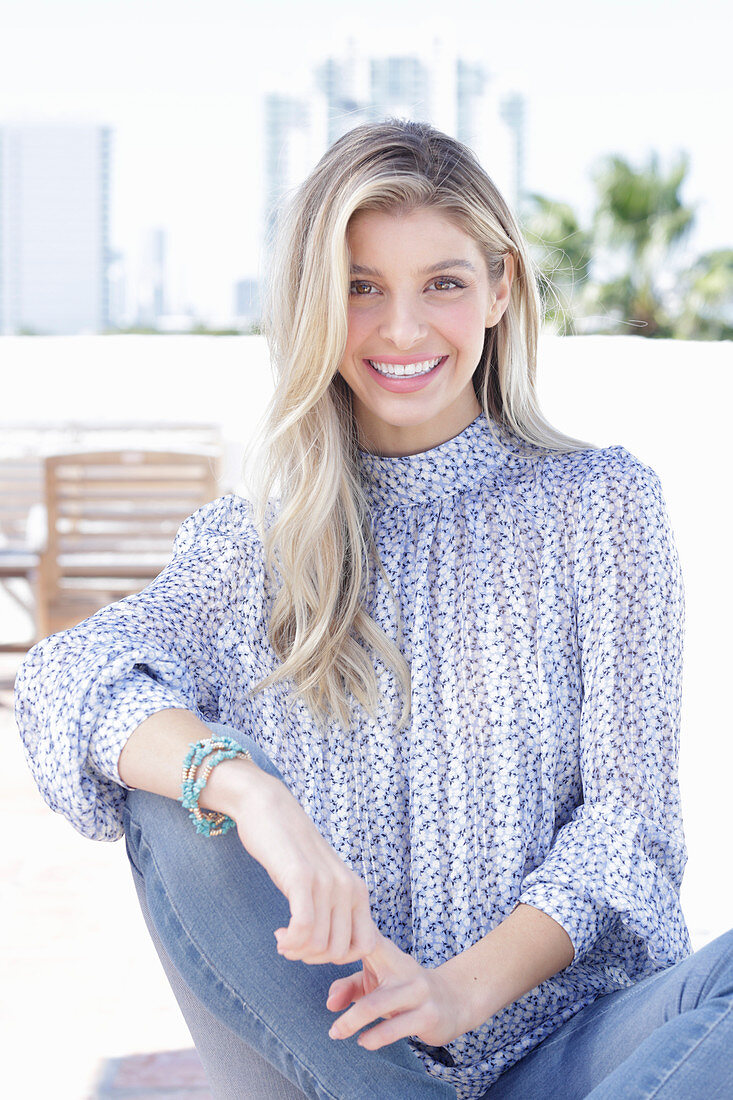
pixel 167 1074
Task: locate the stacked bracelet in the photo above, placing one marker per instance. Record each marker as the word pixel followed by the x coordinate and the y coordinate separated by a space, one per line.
pixel 207 822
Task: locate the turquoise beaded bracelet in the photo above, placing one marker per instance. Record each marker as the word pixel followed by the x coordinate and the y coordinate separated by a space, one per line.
pixel 207 822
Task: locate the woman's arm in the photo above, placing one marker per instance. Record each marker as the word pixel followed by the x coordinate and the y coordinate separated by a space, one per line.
pixel 116 701
pixel 615 866
pixel 524 950
pixel 440 1004
pixel 329 904
pixel 81 693
pixel 152 757
pixel 330 918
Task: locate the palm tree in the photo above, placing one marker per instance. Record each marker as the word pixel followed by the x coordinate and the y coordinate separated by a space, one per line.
pixel 707 298
pixel 561 250
pixel 622 274
pixel 640 219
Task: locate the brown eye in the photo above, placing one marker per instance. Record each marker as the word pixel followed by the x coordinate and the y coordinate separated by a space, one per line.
pixel 445 283
pixel 360 288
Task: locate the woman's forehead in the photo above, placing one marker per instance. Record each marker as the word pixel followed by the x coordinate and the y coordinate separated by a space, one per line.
pixel 425 231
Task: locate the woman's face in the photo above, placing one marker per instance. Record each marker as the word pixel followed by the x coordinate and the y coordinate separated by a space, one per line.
pixel 420 301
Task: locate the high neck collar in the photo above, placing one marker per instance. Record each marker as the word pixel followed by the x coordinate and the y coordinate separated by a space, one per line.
pixel 454 466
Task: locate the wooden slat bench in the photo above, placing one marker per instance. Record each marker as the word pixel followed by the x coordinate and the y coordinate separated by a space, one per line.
pixel 112 518
pixel 23 447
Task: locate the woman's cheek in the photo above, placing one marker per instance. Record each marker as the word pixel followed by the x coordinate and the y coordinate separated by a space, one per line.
pixel 360 323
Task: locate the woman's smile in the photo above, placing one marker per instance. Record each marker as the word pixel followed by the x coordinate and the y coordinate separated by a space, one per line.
pixel 406 375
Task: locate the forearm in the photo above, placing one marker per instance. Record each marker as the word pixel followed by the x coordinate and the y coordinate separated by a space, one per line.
pixel 152 760
pixel 329 903
pixel 525 949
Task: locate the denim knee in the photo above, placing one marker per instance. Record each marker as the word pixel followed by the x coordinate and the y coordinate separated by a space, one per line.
pixel 259 756
pixel 717 974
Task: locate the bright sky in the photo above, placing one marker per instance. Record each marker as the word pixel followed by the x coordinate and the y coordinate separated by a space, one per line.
pixel 182 83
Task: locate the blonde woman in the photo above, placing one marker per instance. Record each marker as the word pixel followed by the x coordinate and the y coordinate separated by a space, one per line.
pixel 427 841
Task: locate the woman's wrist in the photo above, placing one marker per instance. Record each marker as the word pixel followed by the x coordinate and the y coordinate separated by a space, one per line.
pixel 471 992
pixel 153 756
pixel 231 785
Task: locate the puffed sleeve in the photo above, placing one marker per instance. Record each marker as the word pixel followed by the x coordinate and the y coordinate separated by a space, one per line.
pixel 82 692
pixel 619 858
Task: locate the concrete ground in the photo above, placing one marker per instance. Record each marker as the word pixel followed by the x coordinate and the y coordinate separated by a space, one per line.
pixel 87 1013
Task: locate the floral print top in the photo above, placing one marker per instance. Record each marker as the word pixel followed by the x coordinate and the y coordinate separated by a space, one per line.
pixel 542 609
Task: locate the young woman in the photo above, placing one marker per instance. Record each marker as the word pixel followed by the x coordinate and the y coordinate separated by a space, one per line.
pixel 451 647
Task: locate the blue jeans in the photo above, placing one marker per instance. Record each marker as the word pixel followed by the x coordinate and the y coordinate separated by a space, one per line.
pixel 260 1023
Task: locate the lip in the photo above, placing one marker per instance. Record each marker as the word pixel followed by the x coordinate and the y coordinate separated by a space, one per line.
pixel 409 383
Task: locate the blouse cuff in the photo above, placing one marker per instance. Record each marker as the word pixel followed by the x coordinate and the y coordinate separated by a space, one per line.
pixel 124 706
pixel 582 918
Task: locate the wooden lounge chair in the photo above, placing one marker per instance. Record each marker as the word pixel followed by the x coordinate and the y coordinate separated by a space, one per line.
pixel 112 517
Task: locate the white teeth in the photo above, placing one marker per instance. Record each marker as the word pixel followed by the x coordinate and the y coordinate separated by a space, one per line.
pixel 400 370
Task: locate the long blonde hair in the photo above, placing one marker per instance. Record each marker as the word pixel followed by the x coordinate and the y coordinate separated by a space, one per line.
pixel 319 550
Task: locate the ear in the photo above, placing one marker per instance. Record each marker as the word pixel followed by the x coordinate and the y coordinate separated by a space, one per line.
pixel 500 293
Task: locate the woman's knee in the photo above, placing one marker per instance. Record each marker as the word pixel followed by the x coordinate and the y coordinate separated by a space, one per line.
pixel 718 966
pixel 259 756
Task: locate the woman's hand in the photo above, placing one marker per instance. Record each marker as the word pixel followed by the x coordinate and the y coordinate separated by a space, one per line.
pixel 410 998
pixel 330 919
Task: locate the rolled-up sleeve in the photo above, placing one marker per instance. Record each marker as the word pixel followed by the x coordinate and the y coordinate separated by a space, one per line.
pixel 81 693
pixel 621 855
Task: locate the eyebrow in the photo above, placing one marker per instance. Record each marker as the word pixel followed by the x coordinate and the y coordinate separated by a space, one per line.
pixel 357 269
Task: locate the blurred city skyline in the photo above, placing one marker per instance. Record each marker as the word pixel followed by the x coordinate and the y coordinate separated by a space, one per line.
pixel 183 86
pixel 60 274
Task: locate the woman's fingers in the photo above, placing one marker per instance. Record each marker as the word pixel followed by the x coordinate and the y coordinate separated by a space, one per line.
pixel 329 930
pixel 344 990
pixel 302 917
pixel 363 929
pixel 382 1002
pixel 400 1010
pixel 318 940
pixel 353 932
pixel 341 933
pixel 337 927
pixel 406 998
pixel 389 1031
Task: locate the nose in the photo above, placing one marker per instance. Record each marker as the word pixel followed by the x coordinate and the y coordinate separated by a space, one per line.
pixel 401 323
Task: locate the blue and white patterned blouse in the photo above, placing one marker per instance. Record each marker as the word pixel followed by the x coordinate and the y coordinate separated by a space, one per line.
pixel 542 607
